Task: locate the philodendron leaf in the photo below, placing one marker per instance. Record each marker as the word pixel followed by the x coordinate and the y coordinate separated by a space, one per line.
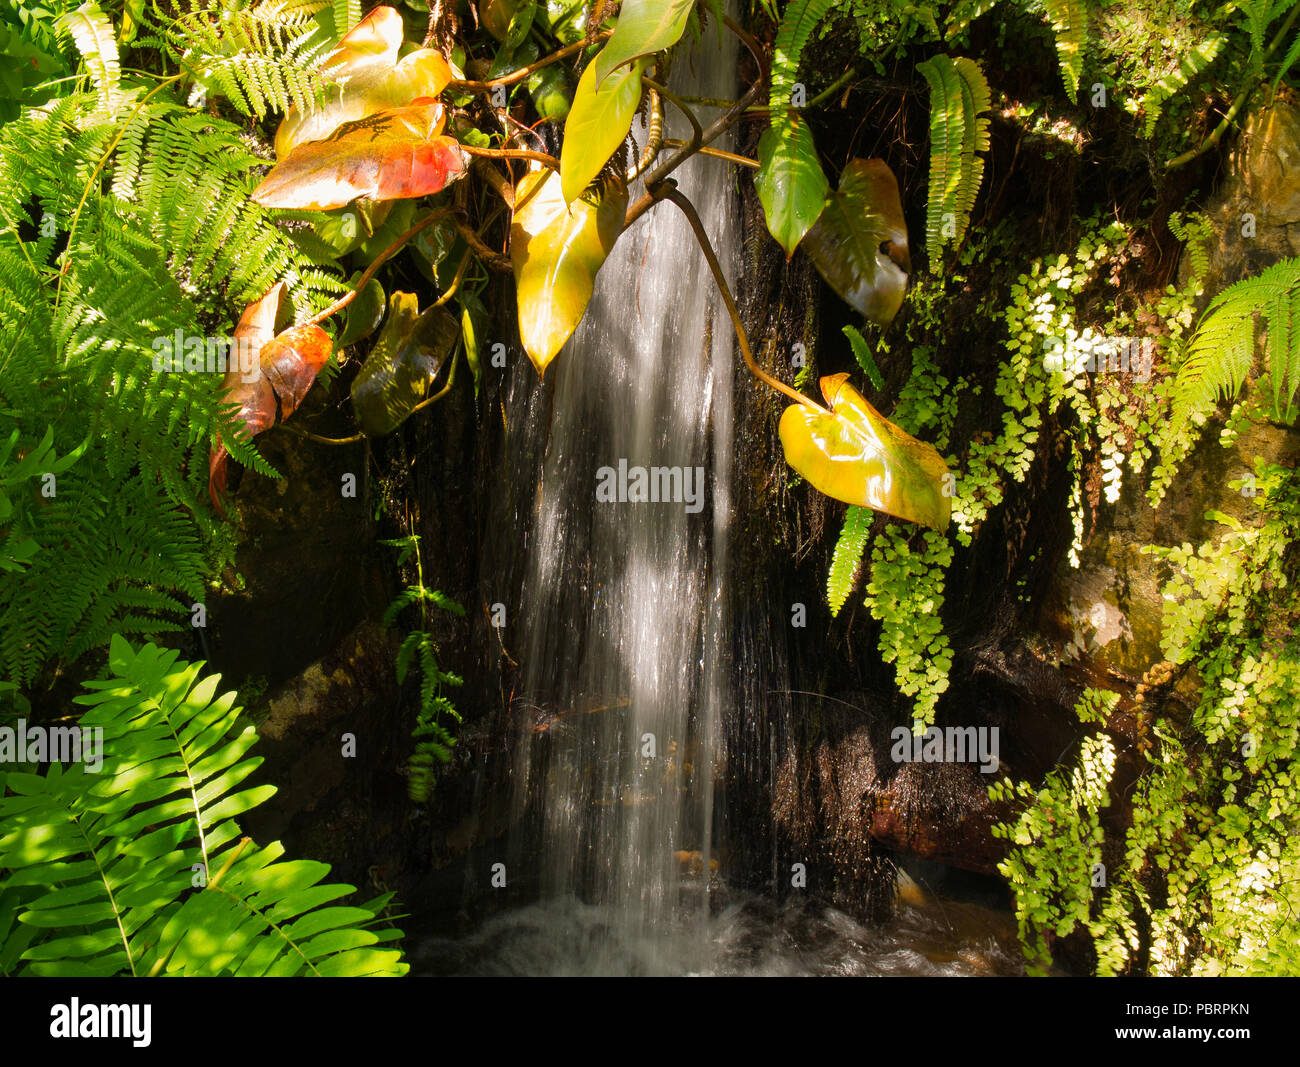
pixel 393 155
pixel 599 121
pixel 860 242
pixel 264 365
pixel 365 313
pixel 791 185
pixel 368 77
pixel 556 250
pixel 644 27
pixel 410 351
pixel 854 454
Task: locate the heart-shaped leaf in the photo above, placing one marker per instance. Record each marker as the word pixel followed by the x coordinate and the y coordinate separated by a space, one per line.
pixel 854 454
pixel 365 313
pixel 406 358
pixel 556 250
pixel 644 27
pixel 269 364
pixel 790 182
pixel 599 121
pixel 291 360
pixel 370 88
pixel 859 243
pixel 392 155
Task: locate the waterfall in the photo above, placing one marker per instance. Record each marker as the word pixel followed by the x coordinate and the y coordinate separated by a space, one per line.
pixel 623 606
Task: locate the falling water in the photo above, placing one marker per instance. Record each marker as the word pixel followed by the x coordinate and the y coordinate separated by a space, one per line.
pixel 624 646
pixel 622 601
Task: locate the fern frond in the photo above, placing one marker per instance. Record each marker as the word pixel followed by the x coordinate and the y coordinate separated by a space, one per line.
pixel 1193 64
pixel 1069 20
pixel 1222 351
pixel 264 58
pixel 142 866
pixel 798 21
pixel 93 35
pixel 848 556
pixel 959 96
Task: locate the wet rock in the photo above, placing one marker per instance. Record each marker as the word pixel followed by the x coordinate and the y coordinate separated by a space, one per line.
pixel 350 811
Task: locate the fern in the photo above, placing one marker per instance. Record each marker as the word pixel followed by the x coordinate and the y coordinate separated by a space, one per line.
pixel 798 21
pixel 1222 351
pixel 90 29
pixel 848 556
pixel 433 740
pixel 1069 20
pixel 959 95
pixel 107 226
pixel 862 353
pixel 265 58
pixel 1192 65
pixel 139 868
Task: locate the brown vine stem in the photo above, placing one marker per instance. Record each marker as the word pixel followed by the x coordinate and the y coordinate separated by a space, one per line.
pixel 523 72
pixel 512 153
pixel 380 260
pixel 715 129
pixel 688 209
pixel 717 153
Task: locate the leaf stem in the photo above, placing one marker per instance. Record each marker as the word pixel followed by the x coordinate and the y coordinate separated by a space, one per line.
pixel 688 209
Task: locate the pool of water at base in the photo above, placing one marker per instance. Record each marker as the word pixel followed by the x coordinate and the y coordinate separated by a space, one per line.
pixel 750 936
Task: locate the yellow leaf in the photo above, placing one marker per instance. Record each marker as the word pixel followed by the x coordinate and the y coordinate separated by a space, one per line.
pixel 599 121
pixel 854 454
pixel 556 249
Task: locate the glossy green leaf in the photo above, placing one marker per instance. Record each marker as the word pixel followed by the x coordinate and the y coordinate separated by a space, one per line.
pixel 644 27
pixel 364 314
pixel 854 454
pixel 859 243
pixel 598 123
pixel 790 182
pixel 410 351
pixel 556 250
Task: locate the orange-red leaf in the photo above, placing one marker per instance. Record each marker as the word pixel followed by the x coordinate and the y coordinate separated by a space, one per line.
pixel 284 365
pixel 392 155
pixel 291 362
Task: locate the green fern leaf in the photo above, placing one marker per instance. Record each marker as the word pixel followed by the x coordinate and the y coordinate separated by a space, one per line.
pixel 959 96
pixel 1069 20
pixel 848 556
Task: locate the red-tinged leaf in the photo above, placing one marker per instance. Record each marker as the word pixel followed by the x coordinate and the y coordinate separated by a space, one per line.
pixel 376 38
pixel 370 88
pixel 283 365
pixel 250 390
pixel 393 155
pixel 291 362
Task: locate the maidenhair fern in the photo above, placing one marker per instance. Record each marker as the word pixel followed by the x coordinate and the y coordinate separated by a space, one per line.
pixel 139 868
pixel 959 95
pixel 1222 351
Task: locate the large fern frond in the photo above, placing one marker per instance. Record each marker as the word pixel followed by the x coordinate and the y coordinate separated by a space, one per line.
pixel 1222 351
pixel 1069 20
pixel 959 97
pixel 140 865
pixel 798 21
